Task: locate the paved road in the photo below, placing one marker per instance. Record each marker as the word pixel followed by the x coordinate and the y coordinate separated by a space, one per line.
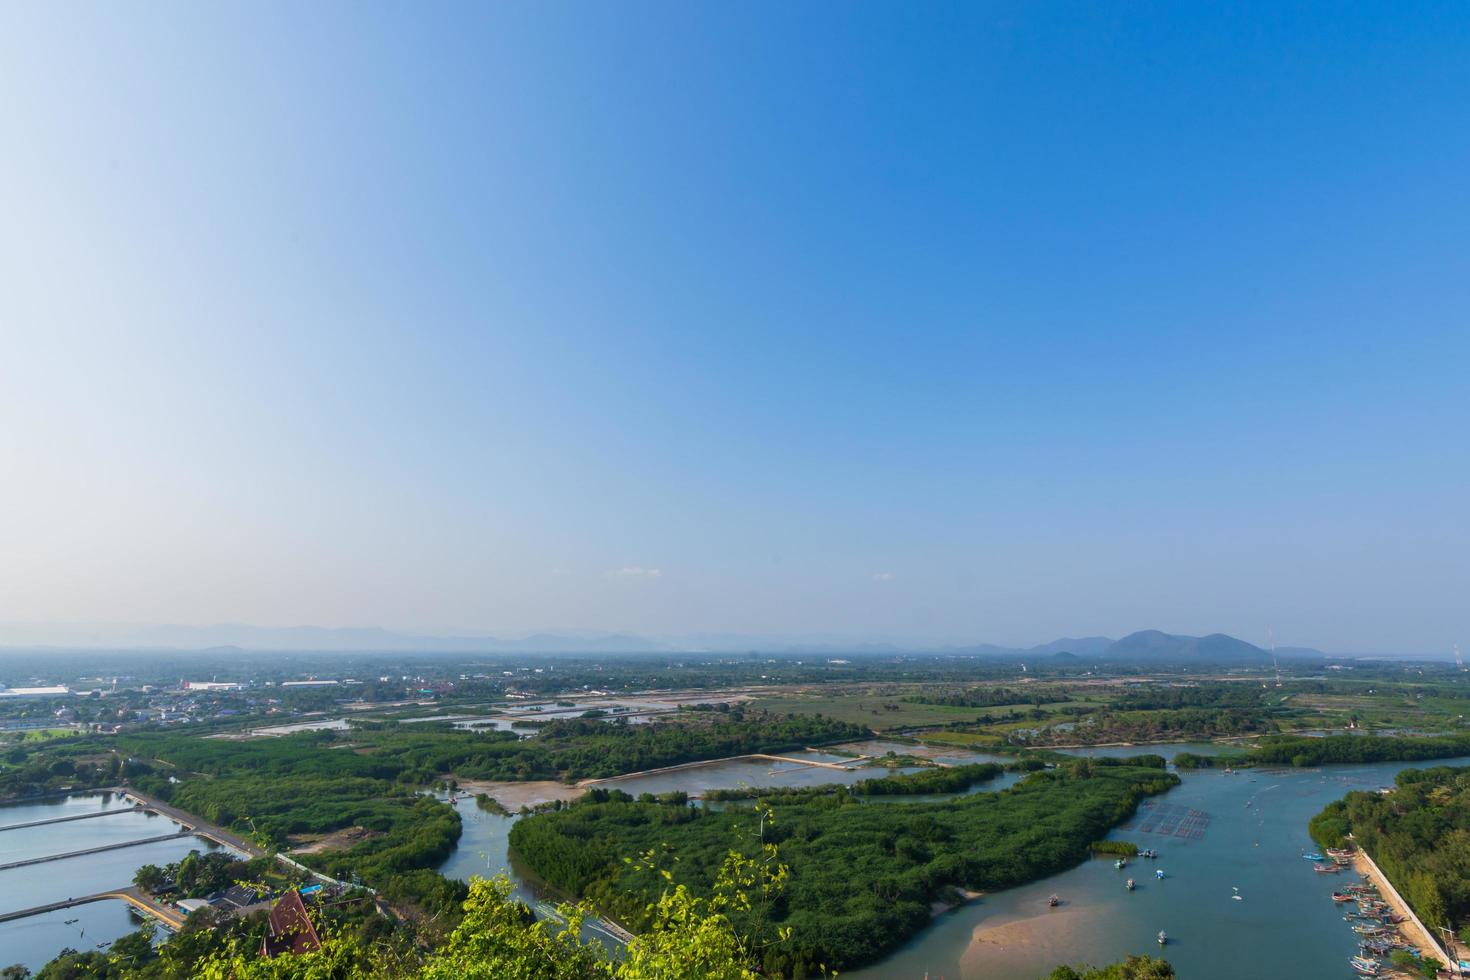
pixel 204 829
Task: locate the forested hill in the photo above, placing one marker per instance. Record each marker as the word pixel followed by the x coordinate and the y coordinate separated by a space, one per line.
pixel 1156 646
pixel 862 876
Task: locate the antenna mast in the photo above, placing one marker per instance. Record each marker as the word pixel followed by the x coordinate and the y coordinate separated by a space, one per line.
pixel 1271 640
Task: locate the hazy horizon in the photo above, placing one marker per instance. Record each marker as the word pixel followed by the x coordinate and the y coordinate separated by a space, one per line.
pixel 127 637
pixel 950 323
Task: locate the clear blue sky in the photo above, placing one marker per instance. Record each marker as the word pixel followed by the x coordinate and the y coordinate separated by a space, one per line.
pixel 941 322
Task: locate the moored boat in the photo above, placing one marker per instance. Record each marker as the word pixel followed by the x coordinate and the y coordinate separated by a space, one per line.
pixel 1053 901
pixel 1128 884
pixel 1163 938
pixel 1364 966
pixel 1312 856
pixel 1340 897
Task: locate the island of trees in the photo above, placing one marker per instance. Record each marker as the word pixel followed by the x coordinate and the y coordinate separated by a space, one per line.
pixel 860 877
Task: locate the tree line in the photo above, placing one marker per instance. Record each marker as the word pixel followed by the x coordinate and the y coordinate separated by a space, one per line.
pixel 861 877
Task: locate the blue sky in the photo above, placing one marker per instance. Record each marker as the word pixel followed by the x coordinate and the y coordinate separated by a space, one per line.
pixel 939 323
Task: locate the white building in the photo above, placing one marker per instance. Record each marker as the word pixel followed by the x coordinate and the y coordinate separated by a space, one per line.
pixel 211 686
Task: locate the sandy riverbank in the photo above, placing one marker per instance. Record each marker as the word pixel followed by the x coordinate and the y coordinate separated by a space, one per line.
pixel 936 909
pixel 1413 932
pixel 1034 942
pixel 515 794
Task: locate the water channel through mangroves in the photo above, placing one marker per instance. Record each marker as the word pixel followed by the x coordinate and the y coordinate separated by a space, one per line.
pixel 33 940
pixel 1216 833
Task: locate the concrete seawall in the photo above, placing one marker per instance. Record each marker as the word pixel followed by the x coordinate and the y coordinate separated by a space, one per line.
pixel 1414 930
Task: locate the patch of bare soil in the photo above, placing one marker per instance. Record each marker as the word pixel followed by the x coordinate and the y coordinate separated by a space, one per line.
pixel 337 840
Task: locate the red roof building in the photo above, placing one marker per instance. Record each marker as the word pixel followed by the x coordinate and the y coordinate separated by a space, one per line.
pixel 290 929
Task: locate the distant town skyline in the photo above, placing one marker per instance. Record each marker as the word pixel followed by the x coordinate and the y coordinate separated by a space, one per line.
pixel 954 323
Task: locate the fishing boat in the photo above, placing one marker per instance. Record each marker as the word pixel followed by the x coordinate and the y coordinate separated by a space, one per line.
pixel 1159 873
pixel 1120 864
pixel 1053 901
pixel 1340 897
pixel 1128 884
pixel 1364 966
pixel 1163 938
pixel 1327 869
pixel 1312 856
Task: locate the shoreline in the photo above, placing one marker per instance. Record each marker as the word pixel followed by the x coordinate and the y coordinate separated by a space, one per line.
pixel 1413 930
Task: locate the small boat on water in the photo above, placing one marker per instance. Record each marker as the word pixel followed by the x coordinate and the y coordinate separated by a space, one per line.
pixel 1364 966
pixel 1163 938
pixel 1128 884
pixel 1327 869
pixel 1159 874
pixel 1120 864
pixel 1237 896
pixel 549 911
pixel 1053 901
pixel 1340 897
pixel 1312 856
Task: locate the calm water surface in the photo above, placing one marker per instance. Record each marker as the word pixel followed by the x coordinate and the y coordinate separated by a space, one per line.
pixel 484 844
pixel 1285 925
pixel 34 940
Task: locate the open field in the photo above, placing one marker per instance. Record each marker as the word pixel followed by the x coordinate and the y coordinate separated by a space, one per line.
pixel 888 711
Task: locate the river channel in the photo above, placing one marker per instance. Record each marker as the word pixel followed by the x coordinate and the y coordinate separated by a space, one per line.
pixel 1247 832
pixel 1217 835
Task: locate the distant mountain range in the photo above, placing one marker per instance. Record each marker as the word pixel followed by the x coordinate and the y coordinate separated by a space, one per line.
pixel 1145 646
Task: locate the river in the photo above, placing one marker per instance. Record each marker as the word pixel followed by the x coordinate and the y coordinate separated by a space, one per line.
pixel 1285 924
pixel 1251 837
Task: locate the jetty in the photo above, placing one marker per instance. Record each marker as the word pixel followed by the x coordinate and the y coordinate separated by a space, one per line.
pixel 75 816
pixel 809 762
pixel 94 850
pixel 168 916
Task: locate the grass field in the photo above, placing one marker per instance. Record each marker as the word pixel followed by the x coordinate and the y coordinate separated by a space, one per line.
pixel 886 711
pixel 965 740
pixel 44 734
